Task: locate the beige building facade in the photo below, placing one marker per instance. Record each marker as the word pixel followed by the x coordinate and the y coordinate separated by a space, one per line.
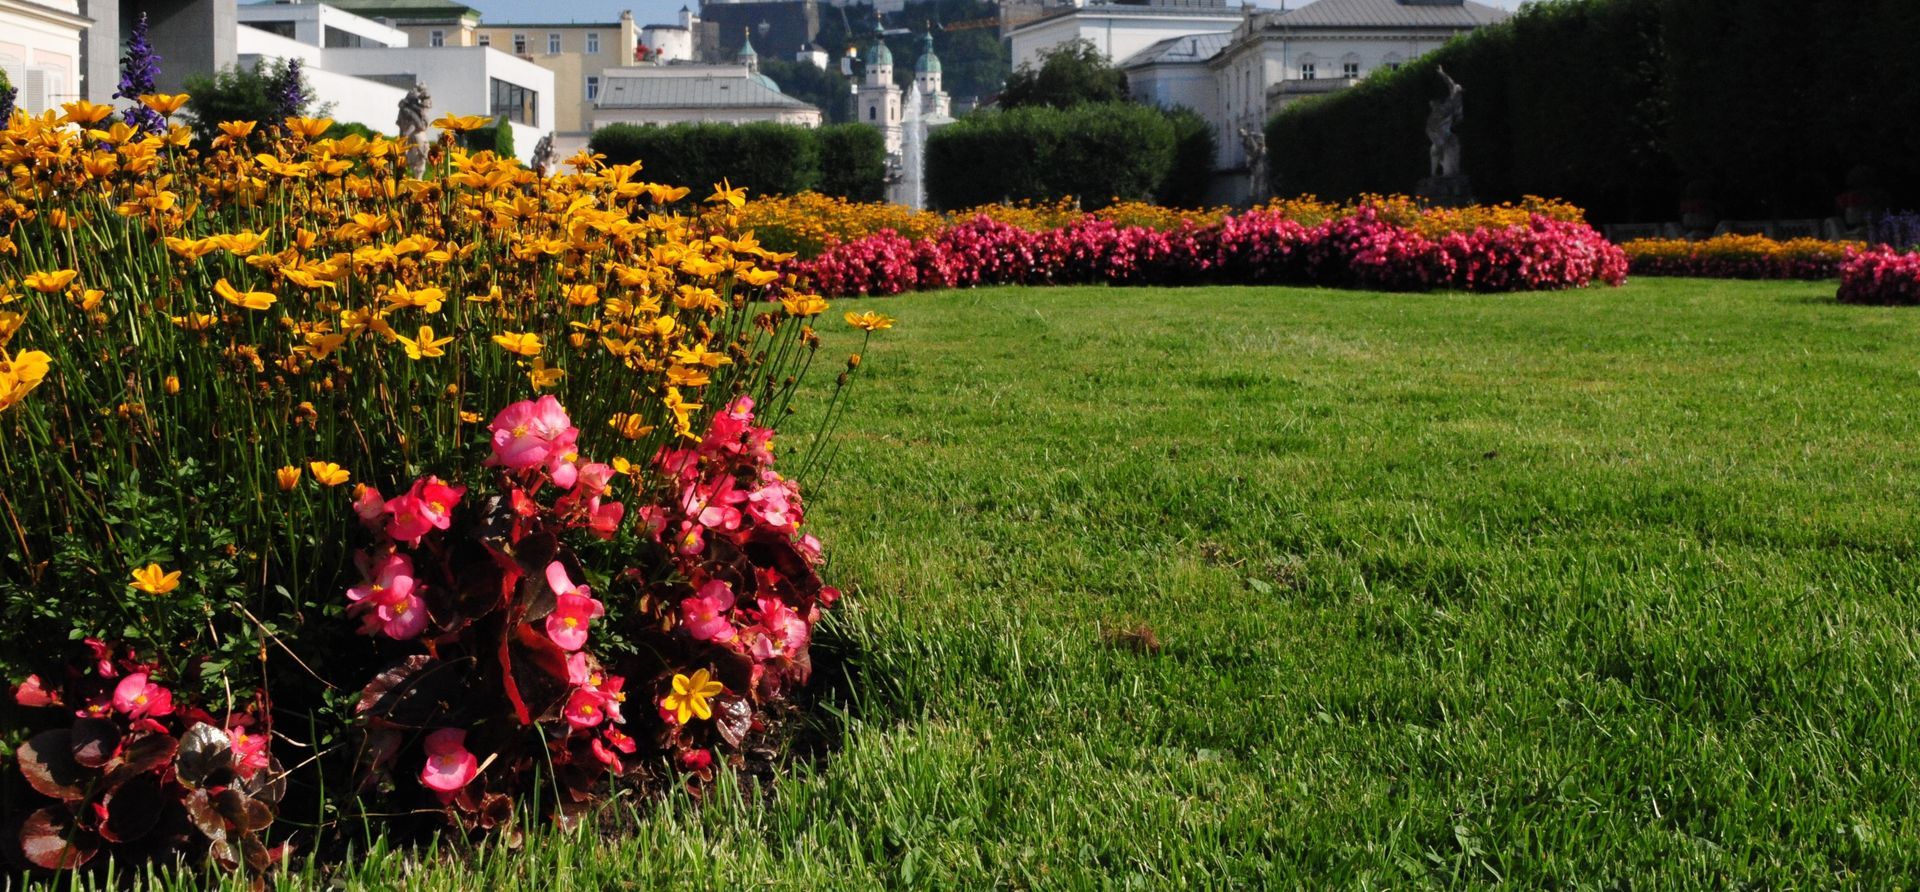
pixel 580 55
pixel 40 51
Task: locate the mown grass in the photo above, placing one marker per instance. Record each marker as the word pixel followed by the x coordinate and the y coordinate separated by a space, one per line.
pixel 1609 589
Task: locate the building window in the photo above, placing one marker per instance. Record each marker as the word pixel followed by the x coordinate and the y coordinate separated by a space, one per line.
pixel 873 112
pixel 593 41
pixel 284 29
pixel 1350 70
pixel 553 43
pixel 436 38
pixel 336 38
pixel 519 44
pixel 593 87
pixel 1307 71
pixel 516 102
pixel 486 39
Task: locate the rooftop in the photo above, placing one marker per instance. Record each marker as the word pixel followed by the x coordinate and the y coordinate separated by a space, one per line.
pixel 719 86
pixel 1187 49
pixel 406 9
pixel 1389 14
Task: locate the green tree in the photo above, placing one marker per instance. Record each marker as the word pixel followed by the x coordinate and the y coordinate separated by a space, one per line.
pixel 827 90
pixel 235 93
pixel 1070 74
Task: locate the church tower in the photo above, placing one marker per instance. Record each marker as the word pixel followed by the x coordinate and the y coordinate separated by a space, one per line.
pixel 879 96
pixel 926 73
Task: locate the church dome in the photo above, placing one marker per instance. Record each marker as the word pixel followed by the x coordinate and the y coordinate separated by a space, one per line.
pixel 746 53
pixel 929 63
pixel 879 54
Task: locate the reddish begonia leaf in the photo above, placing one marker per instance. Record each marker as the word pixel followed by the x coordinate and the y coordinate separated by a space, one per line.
pixel 132 809
pixel 139 755
pixel 206 754
pixel 46 760
pixel 51 839
pixel 95 741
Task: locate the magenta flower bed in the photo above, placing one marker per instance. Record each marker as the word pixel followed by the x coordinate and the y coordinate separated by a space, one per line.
pixel 1880 276
pixel 1253 248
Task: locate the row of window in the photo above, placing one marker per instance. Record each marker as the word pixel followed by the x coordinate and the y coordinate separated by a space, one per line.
pixel 439 38
pixel 1311 70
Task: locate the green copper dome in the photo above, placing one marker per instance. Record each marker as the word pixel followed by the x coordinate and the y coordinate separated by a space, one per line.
pixel 879 54
pixel 929 63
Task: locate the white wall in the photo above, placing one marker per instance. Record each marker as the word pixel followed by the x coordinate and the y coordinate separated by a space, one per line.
pixel 252 44
pixel 458 78
pixel 311 20
pixel 804 117
pixel 672 44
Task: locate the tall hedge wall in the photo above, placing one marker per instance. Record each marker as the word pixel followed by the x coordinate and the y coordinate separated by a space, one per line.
pixel 766 158
pixel 1621 105
pixel 1095 152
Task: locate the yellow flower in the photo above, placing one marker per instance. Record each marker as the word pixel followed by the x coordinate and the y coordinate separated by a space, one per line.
pixel 84 112
pixel 327 473
pixel 680 409
pixel 804 304
pixel 163 104
pixel 252 300
pixel 690 695
pixel 524 344
pixel 310 128
pixel 426 345
pixel 869 321
pixel 172 384
pixel 196 321
pixel 542 376
pixel 462 123
pixel 289 477
pixel 155 581
pixel 726 191
pixel 633 427
pixel 48 283
pixel 583 295
pixel 19 375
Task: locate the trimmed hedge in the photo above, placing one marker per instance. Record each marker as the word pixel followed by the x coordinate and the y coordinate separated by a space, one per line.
pixel 1618 105
pixel 766 158
pixel 1095 152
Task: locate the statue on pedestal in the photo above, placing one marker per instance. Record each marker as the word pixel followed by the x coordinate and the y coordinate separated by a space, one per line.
pixel 413 127
pixel 1253 141
pixel 1446 185
pixel 1443 120
pixel 543 155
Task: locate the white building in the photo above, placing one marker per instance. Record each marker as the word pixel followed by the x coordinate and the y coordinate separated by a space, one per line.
pixel 362 68
pixel 40 51
pixel 670 43
pixel 1119 31
pixel 877 98
pixel 697 94
pixel 1239 78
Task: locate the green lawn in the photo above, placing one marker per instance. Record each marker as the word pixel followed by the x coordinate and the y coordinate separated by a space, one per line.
pixel 1605 589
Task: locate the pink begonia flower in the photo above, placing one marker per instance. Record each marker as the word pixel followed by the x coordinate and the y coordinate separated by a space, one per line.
pixel 594 478
pixel 769 505
pixel 809 548
pixel 619 740
pixel 426 507
pixel 712 504
pixel 603 518
pixel 249 751
pixel 653 520
pixel 727 428
pixel 705 614
pixel 574 609
pixel 449 766
pixel 102 657
pixel 585 708
pixel 581 669
pixel 139 698
pixel 614 687
pixel 402 616
pixel 391 573
pixel 760 445
pixel 529 433
pixel 680 463
pixel 370 505
pixel 781 630
pixel 689 541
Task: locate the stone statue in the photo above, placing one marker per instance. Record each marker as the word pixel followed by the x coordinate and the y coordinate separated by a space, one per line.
pixel 1443 122
pixel 543 155
pixel 1253 141
pixel 413 127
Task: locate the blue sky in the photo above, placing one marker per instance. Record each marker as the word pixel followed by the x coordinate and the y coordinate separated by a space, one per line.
pixel 649 11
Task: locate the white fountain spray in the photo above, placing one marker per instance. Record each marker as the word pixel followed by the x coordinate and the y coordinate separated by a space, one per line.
pixel 913 151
